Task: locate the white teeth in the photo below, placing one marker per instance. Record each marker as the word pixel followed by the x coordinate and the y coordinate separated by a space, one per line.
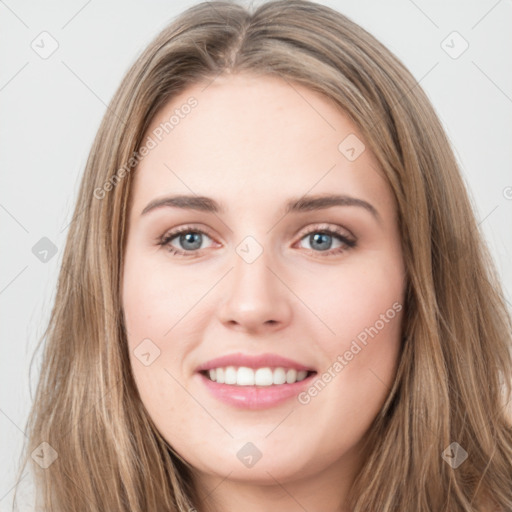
pixel 291 376
pixel 230 375
pixel 279 376
pixel 263 377
pixel 244 376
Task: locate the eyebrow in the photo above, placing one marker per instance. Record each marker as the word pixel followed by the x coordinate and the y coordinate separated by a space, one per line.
pixel 294 205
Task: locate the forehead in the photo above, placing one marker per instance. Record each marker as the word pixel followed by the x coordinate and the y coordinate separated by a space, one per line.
pixel 259 137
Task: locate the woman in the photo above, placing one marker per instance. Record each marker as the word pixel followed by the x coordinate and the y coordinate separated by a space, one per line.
pixel 248 370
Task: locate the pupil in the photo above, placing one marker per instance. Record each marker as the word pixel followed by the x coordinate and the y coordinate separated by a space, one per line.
pixel 319 238
pixel 189 238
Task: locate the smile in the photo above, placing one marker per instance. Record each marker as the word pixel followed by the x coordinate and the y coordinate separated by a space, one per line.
pixel 266 376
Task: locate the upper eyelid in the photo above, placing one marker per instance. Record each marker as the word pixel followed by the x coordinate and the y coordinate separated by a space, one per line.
pixel 323 226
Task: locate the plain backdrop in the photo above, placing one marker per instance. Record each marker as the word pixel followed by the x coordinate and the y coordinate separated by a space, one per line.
pixel 51 107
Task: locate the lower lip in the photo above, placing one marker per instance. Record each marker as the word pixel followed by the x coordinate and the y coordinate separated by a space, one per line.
pixel 255 397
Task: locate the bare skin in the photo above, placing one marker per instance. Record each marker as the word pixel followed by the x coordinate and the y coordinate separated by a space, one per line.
pixel 252 143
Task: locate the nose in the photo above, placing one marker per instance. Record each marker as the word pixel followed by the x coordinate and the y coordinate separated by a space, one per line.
pixel 256 298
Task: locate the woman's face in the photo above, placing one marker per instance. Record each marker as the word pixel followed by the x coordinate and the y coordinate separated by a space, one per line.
pixel 261 270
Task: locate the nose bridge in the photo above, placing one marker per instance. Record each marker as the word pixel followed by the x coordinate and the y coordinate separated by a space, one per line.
pixel 254 295
pixel 251 273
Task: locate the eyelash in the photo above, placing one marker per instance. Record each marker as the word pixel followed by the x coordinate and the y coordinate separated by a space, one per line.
pixel 166 239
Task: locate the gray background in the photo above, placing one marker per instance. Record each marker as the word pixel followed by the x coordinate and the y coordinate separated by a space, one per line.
pixel 51 108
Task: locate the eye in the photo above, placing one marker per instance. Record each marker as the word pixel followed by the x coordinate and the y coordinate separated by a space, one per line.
pixel 189 238
pixel 320 240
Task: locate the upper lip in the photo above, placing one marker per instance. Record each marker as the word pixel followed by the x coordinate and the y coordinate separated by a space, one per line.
pixel 252 361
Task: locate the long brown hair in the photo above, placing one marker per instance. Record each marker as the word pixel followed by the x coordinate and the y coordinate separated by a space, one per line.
pixel 455 370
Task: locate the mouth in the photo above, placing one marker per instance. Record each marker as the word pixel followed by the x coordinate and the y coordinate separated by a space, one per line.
pixel 254 369
pixel 260 388
pixel 254 381
pixel 259 377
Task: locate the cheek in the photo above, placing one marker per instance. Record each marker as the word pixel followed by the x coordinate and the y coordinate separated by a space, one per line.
pixel 363 303
pixel 154 298
pixel 153 311
pixel 364 313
